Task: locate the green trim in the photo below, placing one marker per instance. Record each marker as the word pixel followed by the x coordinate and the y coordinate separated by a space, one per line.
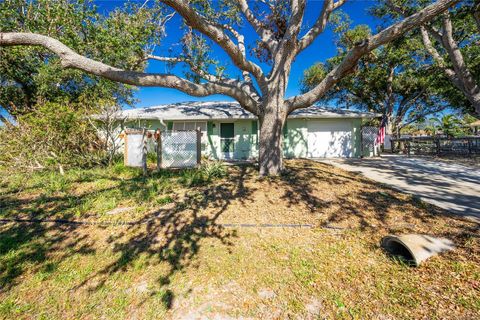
pixel 209 128
pixel 169 125
pixel 255 130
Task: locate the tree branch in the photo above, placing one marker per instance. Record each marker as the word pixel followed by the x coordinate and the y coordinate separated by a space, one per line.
pixel 264 34
pixel 216 33
pixel 351 58
pixel 246 86
pixel 71 59
pixel 438 58
pixel 202 73
pixel 320 24
pixel 295 21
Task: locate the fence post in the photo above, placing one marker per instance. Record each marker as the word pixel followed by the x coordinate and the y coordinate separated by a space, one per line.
pixel 159 149
pixel 144 152
pixel 361 143
pixel 125 149
pixel 408 147
pixel 199 146
pixel 469 141
pixel 437 143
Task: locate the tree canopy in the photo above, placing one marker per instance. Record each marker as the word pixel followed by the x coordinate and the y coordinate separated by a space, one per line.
pixel 451 44
pixel 32 75
pixel 392 80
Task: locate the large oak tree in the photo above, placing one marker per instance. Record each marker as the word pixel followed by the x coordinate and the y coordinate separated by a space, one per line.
pixel 261 90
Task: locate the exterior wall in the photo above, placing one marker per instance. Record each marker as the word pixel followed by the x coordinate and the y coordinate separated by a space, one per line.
pixel 147 124
pixel 357 137
pixel 295 135
pixel 295 138
pixel 246 141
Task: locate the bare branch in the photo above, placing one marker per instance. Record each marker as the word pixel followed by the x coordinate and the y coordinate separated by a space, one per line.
pixel 165 59
pixel 246 86
pixel 194 67
pixel 295 21
pixel 241 45
pixel 436 56
pixel 350 60
pixel 216 33
pixel 320 24
pixel 264 34
pixel 71 59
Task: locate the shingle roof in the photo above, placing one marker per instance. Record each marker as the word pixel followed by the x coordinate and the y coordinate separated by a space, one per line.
pixel 228 110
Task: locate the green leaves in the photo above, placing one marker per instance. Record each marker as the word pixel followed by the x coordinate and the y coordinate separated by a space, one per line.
pixel 32 75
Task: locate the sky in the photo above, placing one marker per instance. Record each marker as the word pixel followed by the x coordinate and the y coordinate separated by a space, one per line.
pixel 322 49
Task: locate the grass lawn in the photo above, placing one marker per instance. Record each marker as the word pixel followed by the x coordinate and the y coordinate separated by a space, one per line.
pixel 187 245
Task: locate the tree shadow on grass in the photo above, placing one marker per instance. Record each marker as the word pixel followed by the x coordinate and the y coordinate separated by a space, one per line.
pixel 349 200
pixel 27 246
pixel 173 234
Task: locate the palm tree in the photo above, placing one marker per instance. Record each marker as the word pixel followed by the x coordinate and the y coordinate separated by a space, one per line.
pixel 448 124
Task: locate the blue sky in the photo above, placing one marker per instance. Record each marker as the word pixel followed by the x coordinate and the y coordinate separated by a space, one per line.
pixel 322 49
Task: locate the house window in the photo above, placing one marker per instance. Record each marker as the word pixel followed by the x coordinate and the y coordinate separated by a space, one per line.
pixel 193 125
pixel 190 125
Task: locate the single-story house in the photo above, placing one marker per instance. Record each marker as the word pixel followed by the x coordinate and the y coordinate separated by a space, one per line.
pixel 231 132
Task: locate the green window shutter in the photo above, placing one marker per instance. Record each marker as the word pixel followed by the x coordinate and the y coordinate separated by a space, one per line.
pixel 209 128
pixel 285 130
pixel 254 126
pixel 169 125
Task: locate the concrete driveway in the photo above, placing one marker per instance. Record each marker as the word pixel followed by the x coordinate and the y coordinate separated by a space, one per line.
pixel 450 186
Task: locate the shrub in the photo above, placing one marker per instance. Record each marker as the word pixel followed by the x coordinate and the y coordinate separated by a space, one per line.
pixel 54 135
pixel 192 177
pixel 213 170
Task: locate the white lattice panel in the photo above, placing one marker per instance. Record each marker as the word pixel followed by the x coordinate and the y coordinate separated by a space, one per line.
pixel 179 149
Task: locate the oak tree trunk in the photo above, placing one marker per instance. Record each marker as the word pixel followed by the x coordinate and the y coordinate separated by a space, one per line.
pixel 270 157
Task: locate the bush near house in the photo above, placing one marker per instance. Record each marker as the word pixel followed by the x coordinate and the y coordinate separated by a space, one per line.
pixel 54 135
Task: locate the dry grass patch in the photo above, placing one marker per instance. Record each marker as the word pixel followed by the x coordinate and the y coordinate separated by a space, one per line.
pixel 182 259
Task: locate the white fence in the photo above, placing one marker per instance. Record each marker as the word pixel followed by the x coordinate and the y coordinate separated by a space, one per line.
pixel 179 149
pixel 173 149
pixel 135 148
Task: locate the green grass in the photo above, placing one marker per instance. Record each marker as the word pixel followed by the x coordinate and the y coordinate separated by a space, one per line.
pixel 182 262
pixel 83 193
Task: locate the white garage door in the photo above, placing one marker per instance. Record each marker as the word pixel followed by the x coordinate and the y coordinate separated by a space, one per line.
pixel 329 139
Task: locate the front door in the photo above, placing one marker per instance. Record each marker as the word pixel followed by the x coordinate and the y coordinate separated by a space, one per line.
pixel 227 140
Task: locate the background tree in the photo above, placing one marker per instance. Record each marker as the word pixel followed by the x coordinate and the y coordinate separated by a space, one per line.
pixel 452 42
pixel 260 90
pixel 390 80
pixel 31 76
pixel 449 125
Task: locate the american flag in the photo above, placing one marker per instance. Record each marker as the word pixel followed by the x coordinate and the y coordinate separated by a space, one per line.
pixel 381 131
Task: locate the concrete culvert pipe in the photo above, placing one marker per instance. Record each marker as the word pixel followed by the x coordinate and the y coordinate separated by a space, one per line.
pixel 415 248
